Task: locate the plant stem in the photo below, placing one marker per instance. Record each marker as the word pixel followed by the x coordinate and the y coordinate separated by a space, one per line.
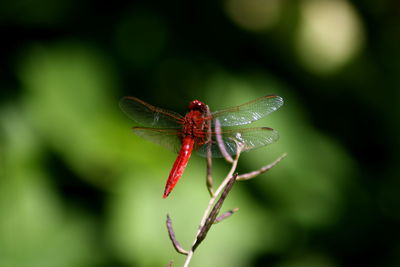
pixel 210 205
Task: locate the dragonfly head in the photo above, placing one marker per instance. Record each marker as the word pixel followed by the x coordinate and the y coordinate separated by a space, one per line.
pixel 197 105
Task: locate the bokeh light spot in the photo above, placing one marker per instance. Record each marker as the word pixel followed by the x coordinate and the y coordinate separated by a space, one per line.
pixel 329 35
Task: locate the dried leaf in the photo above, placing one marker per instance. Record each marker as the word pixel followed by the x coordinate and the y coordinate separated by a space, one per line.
pixel 214 212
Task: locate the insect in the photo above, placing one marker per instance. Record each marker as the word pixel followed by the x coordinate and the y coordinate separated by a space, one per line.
pixel 199 129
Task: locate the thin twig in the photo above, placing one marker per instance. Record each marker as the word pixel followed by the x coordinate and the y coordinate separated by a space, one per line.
pixel 210 181
pixel 214 213
pixel 209 154
pixel 225 215
pixel 221 143
pixel 171 234
pixel 266 168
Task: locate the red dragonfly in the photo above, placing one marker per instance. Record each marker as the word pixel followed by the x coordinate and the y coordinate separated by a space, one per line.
pixel 197 129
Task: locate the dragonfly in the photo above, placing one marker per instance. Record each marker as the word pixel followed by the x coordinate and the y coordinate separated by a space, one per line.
pixel 201 130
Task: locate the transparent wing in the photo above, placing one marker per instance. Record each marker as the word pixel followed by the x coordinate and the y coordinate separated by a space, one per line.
pixel 248 112
pixel 251 138
pixel 168 138
pixel 147 115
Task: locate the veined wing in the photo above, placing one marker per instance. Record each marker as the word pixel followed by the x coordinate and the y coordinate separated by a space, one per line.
pixel 248 112
pixel 168 138
pixel 148 115
pixel 251 138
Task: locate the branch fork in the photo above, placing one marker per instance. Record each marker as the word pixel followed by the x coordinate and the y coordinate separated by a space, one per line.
pixel 210 215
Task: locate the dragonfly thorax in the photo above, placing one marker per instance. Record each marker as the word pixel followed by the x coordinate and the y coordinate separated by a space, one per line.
pixel 194 124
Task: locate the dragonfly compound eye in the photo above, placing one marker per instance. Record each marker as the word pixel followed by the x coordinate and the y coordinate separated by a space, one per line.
pixel 197 105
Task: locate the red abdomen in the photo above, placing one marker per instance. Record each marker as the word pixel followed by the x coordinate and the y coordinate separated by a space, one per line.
pixel 180 164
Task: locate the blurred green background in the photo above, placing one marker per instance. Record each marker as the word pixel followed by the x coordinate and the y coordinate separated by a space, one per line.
pixel 77 188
